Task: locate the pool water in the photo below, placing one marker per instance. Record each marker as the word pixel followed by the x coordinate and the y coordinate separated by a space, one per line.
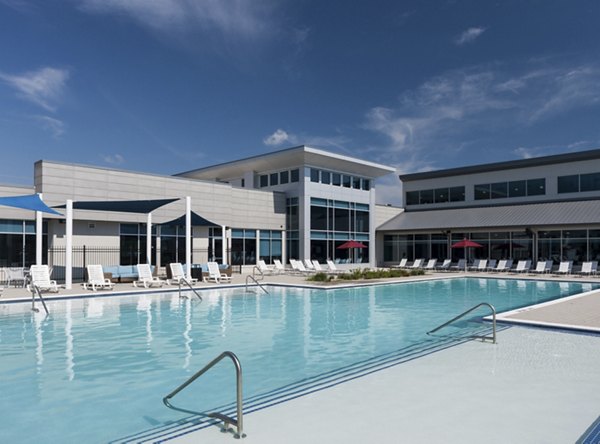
pixel 96 369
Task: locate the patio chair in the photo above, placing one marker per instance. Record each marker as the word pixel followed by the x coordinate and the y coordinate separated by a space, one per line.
pixel 402 263
pixel 491 265
pixel 96 279
pixel 279 266
pixel 482 265
pixel 40 279
pixel 445 265
pixel 418 263
pixel 264 268
pixel 565 268
pixel 145 277
pixel 299 267
pixel 500 267
pixel 508 266
pixel 589 268
pixel 178 275
pixel 460 265
pixel 15 276
pixel 523 266
pixel 542 267
pixel 317 267
pixel 309 265
pixel 475 264
pixel 332 267
pixel 214 274
pixel 430 264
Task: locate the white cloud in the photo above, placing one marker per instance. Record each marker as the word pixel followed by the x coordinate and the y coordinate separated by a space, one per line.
pixel 277 138
pixel 113 159
pixel 54 126
pixel 547 150
pixel 44 87
pixel 229 17
pixel 469 35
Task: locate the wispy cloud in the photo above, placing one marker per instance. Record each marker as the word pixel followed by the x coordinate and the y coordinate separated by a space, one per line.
pixel 442 114
pixel 54 126
pixel 281 137
pixel 44 87
pixel 113 159
pixel 469 35
pixel 546 150
pixel 239 18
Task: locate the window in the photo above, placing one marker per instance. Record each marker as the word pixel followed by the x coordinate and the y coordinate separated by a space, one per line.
pixel 366 184
pixel 426 196
pixel 517 188
pixel 568 184
pixel 270 245
pixel 243 183
pixel 284 177
pixel 264 181
pixel 274 179
pixel 325 177
pixel 441 195
pixel 314 175
pixel 590 182
pixel 482 191
pixel 356 183
pixel 243 247
pixel 346 180
pixel 336 179
pixel 536 187
pixel 499 190
pixel 295 175
pixel 412 198
pixel 457 194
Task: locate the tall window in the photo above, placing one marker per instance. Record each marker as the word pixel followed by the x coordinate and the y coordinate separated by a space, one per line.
pixel 270 245
pixel 215 244
pixel 243 247
pixel 172 244
pixel 133 244
pixel 292 227
pixel 17 243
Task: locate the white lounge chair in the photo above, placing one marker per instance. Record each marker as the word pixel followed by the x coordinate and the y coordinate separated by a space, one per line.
pixel 500 267
pixel 430 264
pixel 178 275
pixel 445 265
pixel 589 268
pixel 264 269
pixel 565 268
pixel 96 279
pixel 460 266
pixel 482 265
pixel 402 263
pixel 507 266
pixel 15 276
pixel 491 265
pixel 475 264
pixel 145 277
pixel 299 267
pixel 317 267
pixel 279 266
pixel 332 267
pixel 523 266
pixel 418 263
pixel 214 274
pixel 309 265
pixel 542 267
pixel 40 279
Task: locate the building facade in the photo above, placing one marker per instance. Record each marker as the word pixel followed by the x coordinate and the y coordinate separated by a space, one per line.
pixel 545 208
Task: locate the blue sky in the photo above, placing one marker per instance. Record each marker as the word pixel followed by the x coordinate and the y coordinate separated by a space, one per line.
pixel 164 86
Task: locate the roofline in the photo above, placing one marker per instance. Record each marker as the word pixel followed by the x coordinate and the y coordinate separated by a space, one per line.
pixel 507 165
pixel 304 148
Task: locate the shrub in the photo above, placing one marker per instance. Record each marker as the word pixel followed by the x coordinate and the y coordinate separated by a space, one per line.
pixel 320 277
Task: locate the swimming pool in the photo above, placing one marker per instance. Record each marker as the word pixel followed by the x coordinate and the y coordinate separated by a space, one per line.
pixel 96 369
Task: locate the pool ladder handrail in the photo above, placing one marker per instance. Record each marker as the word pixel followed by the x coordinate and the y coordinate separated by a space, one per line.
pixel 35 289
pixel 191 288
pixel 493 338
pixel 252 278
pixel 238 423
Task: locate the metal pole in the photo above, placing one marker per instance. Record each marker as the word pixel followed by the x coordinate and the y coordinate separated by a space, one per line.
pixel 38 236
pixel 188 237
pixel 69 246
pixel 149 240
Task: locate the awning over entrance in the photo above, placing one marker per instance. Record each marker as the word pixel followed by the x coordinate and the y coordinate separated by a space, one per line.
pixel 197 221
pixel 31 202
pixel 122 206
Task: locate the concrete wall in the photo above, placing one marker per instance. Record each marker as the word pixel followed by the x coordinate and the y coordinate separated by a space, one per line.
pixel 218 202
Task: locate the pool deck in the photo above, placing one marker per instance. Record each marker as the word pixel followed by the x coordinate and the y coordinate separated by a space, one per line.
pixel 579 312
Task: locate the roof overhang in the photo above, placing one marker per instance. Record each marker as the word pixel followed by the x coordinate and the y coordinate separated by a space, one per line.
pixel 497 217
pixel 292 157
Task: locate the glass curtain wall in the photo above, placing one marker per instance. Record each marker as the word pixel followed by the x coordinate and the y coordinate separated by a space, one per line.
pixel 270 245
pixel 292 227
pixel 243 247
pixel 17 243
pixel 133 244
pixel 172 244
pixel 215 245
pixel 334 222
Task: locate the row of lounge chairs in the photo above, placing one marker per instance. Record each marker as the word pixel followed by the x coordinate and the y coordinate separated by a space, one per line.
pixel 504 265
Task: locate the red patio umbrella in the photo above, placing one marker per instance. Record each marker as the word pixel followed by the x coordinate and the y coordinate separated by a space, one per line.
pixel 351 244
pixel 466 243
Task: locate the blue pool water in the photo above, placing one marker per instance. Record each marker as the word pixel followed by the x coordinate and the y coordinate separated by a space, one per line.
pixel 96 369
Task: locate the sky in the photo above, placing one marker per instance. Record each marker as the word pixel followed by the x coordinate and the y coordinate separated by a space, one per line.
pixel 165 86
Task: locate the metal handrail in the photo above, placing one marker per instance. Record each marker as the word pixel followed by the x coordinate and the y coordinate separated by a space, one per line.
pixel 35 289
pixel 493 338
pixel 260 272
pixel 256 282
pixel 227 420
pixel 191 288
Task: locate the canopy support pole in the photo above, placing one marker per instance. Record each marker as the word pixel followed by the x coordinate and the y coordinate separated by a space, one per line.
pixel 225 259
pixel 188 237
pixel 38 235
pixel 149 240
pixel 69 246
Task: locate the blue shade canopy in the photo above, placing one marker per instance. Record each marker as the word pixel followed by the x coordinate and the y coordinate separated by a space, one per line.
pixel 31 202
pixel 197 221
pixel 121 206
